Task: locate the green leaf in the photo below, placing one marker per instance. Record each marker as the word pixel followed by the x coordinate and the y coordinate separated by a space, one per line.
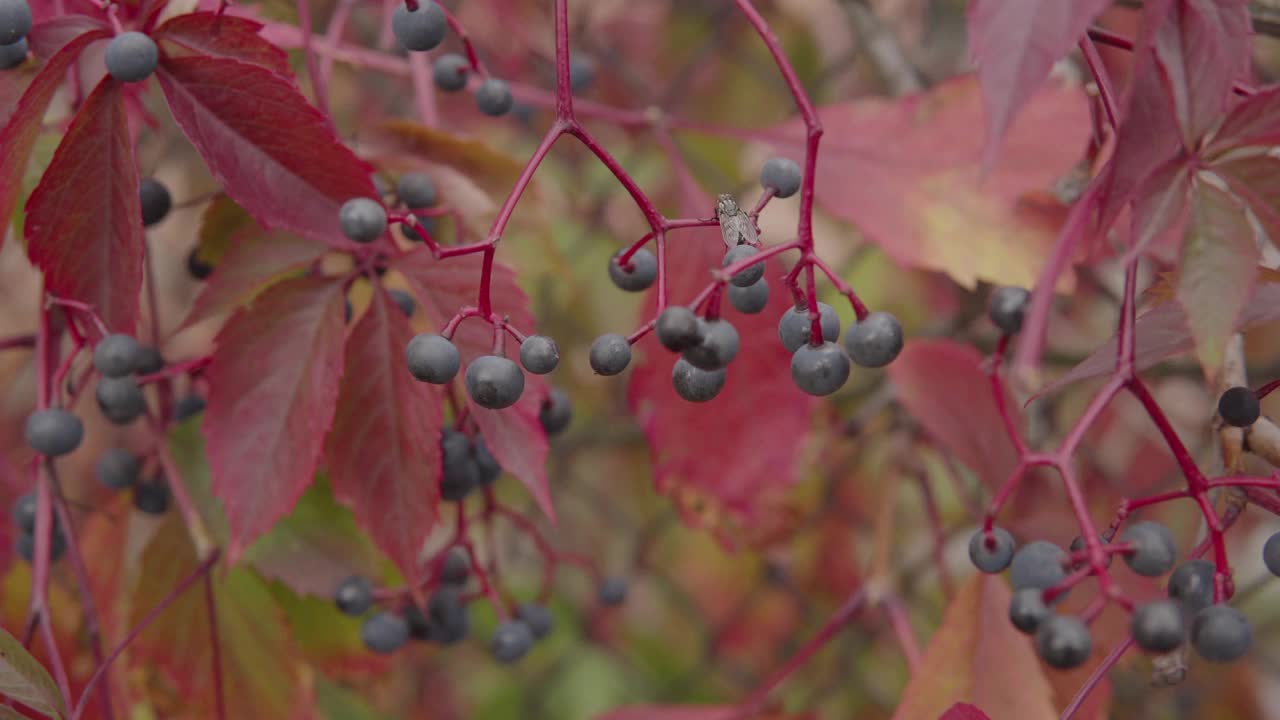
pixel 24 679
pixel 1219 267
pixel 187 445
pixel 324 635
pixel 339 703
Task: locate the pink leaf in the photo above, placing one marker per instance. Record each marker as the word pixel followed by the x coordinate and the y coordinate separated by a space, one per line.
pixel 1255 121
pixel 272 152
pixel 254 260
pixel 84 219
pixel 1201 48
pixel 47 38
pixel 273 389
pixel 963 711
pixel 1015 45
pixel 942 385
pixel 224 36
pixel 514 435
pixel 383 453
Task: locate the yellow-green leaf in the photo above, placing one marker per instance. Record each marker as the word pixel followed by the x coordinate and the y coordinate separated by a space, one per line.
pixel 24 679
pixel 492 170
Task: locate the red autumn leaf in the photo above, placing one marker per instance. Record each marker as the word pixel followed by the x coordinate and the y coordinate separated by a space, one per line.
pixel 383 453
pixel 273 153
pixel 273 389
pixel 19 135
pixel 963 711
pixel 84 219
pixel 1201 47
pixel 225 36
pixel 514 435
pixel 47 38
pixel 908 174
pixel 1255 121
pixel 1241 154
pixel 254 261
pixel 1015 45
pixel 942 385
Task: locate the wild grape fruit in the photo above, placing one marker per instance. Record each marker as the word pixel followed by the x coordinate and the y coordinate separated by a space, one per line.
pixel 638 274
pixel 1158 627
pixel 510 641
pixel 432 358
pixel 13 54
pixel 24 513
pixel 456 566
pixel 1027 610
pixel 449 72
pixel 26 546
pixel 820 370
pixel 384 632
pixel 363 220
pixel 116 355
pixel 613 590
pixel 1037 565
pixel 1239 407
pixel 694 384
pixel 747 276
pixel 582 72
pixel 794 326
pixel 53 431
pixel 417 190
pixel 875 340
pixel 678 328
pixel 150 361
pixel 991 553
pixel 151 497
pixel 539 354
pixel 421 29
pixel 459 474
pixel 197 268
pixel 1154 551
pixel 15 21
pixel 403 300
pixel 556 412
pixel 118 468
pixel 750 300
pixel 448 616
pixel 1063 642
pixel 1006 308
pixel 1192 585
pixel 187 407
pixel 354 596
pixel 539 619
pixel 610 354
pixel 131 57
pixel 1220 633
pixel 120 399
pixel 487 468
pixel 493 97
pixel 718 348
pixel 1271 554
pixel 155 200
pixel 781 175
pixel 494 382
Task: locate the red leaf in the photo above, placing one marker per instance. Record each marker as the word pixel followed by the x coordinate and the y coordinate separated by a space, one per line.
pixel 224 36
pixel 19 135
pixel 1015 45
pixel 47 38
pixel 273 153
pixel 254 260
pixel 84 219
pixel 963 711
pixel 1201 48
pixel 383 453
pixel 273 389
pixel 514 435
pixel 1255 121
pixel 942 385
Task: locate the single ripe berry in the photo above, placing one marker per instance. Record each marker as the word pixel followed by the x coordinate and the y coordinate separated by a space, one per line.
pixel 537 617
pixel 750 300
pixel 694 384
pixel 749 275
pixel 639 272
pixel 610 354
pixel 556 412
pixel 456 567
pixel 1158 627
pixel 794 327
pixel 493 97
pixel 131 57
pixel 150 361
pixel 354 596
pixel 875 340
pixel 151 497
pixel 417 190
pixel 26 546
pixel 197 268
pixel 1037 565
pixel 1192 585
pixel 582 72
pixel 1007 307
pixel 1153 549
pixel 448 616
pixel 432 358
pixel 120 399
pixel 404 300
pixel 1063 642
pixel 782 175
pixel 116 355
pixel 1271 554
pixel 511 641
pixel 53 431
pixel 613 590
pixel 384 632
pixel 718 348
pixel 678 328
pixel 494 382
pixel 991 553
pixel 420 29
pixel 1239 406
pixel 459 474
pixel 187 407
pixel 155 199
pixel 118 468
pixel 487 468
pixel 15 21
pixel 449 72
pixel 820 370
pixel 1027 610
pixel 539 354
pixel 24 513
pixel 1220 633
pixel 13 54
pixel 362 219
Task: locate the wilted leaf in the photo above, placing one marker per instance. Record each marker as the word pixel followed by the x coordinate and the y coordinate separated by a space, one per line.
pixel 271 151
pixel 492 170
pixel 273 389
pixel 24 679
pixel 977 656
pixel 89 243
pixel 252 263
pixel 383 454
pixel 223 35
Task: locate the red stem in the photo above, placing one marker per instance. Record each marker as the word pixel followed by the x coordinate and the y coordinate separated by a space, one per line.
pixel 1096 677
